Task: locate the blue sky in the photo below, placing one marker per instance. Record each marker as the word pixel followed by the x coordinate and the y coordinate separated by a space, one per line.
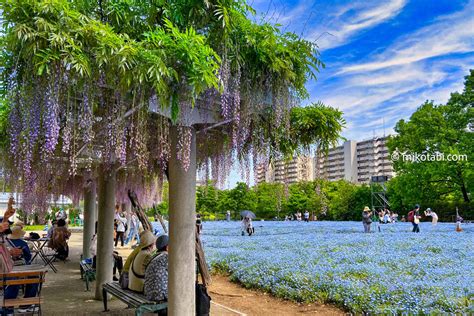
pixel 383 58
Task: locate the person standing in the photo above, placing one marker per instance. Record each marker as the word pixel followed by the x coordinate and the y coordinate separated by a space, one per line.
pixel 306 216
pixel 459 220
pixel 434 216
pixel 198 224
pixel 366 220
pixel 133 231
pixel 414 218
pixel 120 221
pixel 298 216
pixel 227 216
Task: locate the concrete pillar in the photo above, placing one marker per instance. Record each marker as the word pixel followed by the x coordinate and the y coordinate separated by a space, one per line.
pixel 105 233
pixel 182 221
pixel 89 217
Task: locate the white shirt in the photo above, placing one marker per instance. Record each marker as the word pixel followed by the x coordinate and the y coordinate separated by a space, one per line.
pixel 121 224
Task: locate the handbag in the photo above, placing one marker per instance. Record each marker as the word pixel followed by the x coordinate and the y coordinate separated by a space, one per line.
pixel 6 262
pixel 203 301
pixel 123 281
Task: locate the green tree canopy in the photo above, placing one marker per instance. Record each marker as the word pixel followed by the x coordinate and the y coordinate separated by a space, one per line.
pixel 437 130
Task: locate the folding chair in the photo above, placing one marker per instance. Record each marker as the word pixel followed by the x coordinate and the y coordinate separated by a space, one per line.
pixel 48 256
pixel 23 278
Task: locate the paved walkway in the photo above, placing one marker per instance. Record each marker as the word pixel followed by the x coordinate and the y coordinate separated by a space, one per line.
pixel 64 292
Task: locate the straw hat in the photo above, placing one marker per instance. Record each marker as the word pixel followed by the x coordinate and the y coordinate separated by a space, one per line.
pixel 19 223
pixel 17 232
pixel 366 209
pixel 147 238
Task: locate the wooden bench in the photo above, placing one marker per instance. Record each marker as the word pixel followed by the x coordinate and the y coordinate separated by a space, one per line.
pixel 87 273
pixel 131 298
pixel 20 278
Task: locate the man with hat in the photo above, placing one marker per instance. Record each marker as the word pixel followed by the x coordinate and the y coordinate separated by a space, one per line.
pixel 156 275
pixel 137 268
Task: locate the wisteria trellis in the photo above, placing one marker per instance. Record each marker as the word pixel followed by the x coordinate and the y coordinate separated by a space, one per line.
pixel 74 107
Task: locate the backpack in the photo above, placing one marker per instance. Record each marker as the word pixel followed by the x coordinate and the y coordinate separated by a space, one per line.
pixel 203 301
pixel 34 236
pixel 411 216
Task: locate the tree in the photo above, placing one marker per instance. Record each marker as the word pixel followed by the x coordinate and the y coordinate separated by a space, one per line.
pixel 206 201
pixel 443 131
pixel 269 199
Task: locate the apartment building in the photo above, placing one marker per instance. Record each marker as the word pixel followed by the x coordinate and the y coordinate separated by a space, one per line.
pixel 297 169
pixel 353 161
pixel 339 163
pixel 373 159
pixel 356 161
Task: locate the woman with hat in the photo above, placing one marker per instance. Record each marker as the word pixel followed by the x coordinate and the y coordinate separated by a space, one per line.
pixel 366 219
pixel 156 275
pixel 16 240
pixel 137 268
pixel 434 216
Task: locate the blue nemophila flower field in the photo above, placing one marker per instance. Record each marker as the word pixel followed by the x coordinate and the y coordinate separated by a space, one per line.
pixel 391 272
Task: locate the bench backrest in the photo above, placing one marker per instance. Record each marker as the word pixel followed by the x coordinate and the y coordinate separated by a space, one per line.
pixel 22 278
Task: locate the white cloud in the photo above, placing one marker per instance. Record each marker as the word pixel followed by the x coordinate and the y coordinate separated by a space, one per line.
pixel 388 95
pixel 353 19
pixel 451 34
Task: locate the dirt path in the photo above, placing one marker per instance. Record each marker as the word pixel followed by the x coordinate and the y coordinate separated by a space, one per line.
pixel 64 294
pixel 252 302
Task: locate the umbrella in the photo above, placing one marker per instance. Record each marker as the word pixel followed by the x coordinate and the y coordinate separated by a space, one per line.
pixel 248 214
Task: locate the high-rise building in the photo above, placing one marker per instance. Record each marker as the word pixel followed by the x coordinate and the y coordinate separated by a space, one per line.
pixel 339 163
pixel 357 161
pixel 299 168
pixel 353 161
pixel 373 159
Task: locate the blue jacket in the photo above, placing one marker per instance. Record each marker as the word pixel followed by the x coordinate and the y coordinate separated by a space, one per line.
pixel 20 243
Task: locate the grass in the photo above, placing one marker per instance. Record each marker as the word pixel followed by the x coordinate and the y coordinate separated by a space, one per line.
pixel 34 227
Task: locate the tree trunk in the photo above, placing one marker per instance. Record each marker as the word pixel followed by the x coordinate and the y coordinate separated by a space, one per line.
pixel 105 233
pixel 182 220
pixel 464 193
pixel 89 217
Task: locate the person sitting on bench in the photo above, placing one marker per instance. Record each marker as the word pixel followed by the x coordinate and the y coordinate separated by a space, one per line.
pixel 156 274
pixel 137 268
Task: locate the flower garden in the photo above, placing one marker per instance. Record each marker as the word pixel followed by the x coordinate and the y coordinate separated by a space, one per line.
pixel 389 272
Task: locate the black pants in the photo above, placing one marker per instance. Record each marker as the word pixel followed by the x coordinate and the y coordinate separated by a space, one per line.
pixel 62 253
pixel 118 263
pixel 416 228
pixel 121 236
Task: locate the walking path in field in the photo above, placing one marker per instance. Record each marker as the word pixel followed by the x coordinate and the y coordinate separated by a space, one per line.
pixel 64 294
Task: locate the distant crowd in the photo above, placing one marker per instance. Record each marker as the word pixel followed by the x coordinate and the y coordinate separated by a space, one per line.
pixel 386 216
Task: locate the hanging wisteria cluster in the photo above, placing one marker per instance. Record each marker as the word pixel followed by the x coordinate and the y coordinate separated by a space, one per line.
pixel 52 146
